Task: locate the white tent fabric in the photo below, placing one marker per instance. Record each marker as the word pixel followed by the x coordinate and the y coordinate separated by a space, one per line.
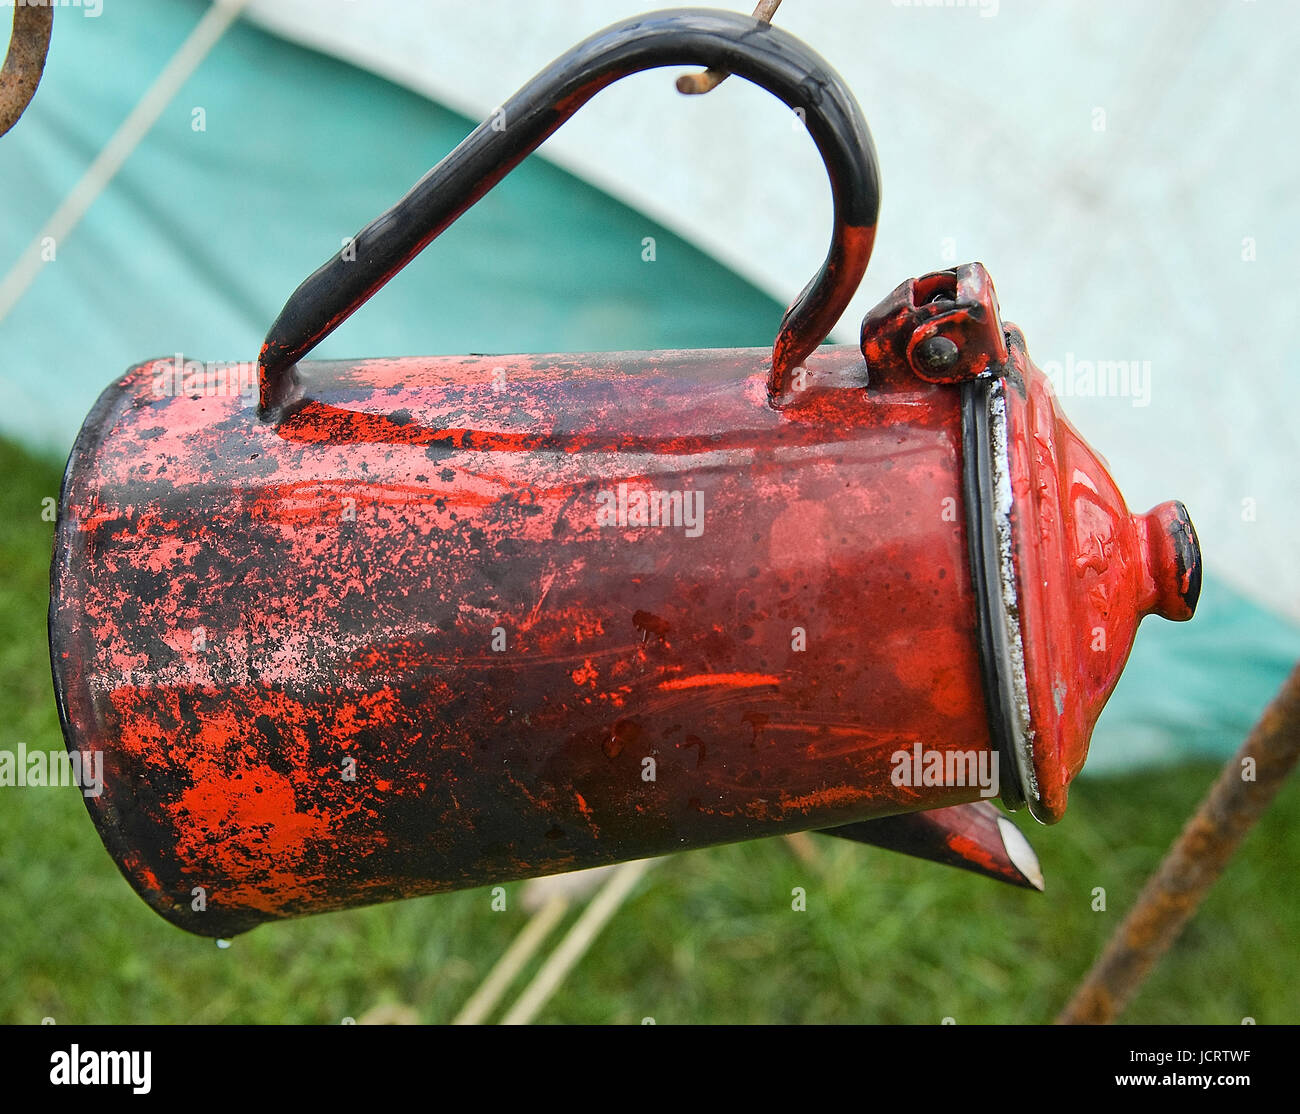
pixel 1124 170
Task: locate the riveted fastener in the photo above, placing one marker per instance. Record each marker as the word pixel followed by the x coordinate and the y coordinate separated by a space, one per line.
pixel 937 355
pixel 944 327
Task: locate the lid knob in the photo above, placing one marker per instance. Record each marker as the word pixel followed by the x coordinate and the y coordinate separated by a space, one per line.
pixel 1172 557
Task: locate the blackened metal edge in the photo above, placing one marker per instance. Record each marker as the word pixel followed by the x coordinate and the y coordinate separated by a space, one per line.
pixel 1187 555
pixel 101 419
pixel 980 498
pixel 103 414
pixel 103 810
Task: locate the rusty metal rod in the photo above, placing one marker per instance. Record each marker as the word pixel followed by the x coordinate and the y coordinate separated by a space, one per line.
pixel 692 84
pixel 25 61
pixel 1194 862
pixel 206 34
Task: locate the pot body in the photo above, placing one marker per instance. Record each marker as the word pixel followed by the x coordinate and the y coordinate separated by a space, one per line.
pixel 449 622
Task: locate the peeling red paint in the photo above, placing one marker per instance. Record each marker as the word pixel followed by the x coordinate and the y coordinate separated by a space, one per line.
pixel 347 593
pixel 389 647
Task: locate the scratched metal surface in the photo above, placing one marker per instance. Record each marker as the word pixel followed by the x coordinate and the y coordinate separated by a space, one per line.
pixel 242 607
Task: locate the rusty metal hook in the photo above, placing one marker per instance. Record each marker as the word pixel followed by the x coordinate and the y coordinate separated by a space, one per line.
pixel 695 84
pixel 25 61
pixel 751 48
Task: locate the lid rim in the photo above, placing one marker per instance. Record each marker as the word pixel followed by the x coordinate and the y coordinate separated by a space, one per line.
pixel 988 533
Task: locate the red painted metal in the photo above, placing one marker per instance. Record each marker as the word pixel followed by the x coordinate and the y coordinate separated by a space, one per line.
pixel 434 569
pixel 347 571
pixel 420 624
pixel 974 837
pixel 1081 570
pixel 1088 571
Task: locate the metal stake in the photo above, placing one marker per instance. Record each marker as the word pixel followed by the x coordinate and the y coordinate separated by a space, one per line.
pixel 1244 789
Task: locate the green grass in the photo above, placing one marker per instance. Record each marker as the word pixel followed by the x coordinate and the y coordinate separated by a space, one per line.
pixel 709 936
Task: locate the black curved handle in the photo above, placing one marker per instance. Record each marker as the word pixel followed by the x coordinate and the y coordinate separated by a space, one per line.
pixel 738 44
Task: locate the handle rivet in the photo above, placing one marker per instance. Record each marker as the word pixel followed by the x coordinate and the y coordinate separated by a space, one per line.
pixel 937 354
